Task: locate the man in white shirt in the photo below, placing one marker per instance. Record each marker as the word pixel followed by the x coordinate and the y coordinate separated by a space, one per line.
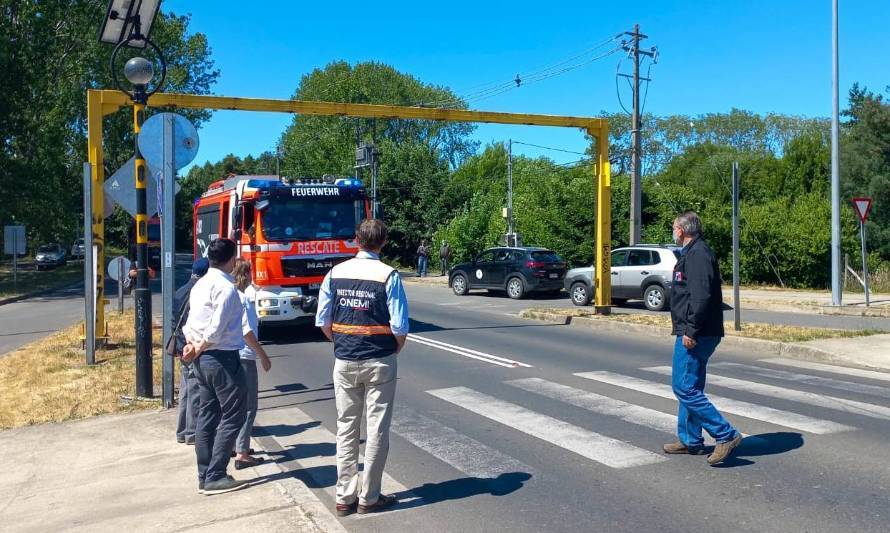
pixel 214 332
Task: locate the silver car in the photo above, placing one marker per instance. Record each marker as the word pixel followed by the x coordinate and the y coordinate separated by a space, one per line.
pixel 642 272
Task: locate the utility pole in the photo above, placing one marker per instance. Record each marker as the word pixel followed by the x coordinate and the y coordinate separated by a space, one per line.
pixel 836 294
pixel 510 238
pixel 636 190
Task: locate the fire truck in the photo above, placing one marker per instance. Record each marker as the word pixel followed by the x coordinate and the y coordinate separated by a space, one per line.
pixel 292 234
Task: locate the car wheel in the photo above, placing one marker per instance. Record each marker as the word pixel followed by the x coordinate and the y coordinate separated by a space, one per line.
pixel 459 285
pixel 655 298
pixel 580 294
pixel 515 288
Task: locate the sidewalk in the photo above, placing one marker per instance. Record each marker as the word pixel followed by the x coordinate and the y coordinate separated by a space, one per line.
pixel 128 473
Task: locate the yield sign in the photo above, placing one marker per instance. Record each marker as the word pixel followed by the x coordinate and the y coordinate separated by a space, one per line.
pixel 863 208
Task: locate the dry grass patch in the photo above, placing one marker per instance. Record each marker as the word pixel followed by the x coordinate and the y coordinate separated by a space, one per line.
pixel 49 381
pixel 755 330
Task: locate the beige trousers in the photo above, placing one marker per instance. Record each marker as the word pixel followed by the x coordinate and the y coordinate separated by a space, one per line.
pixel 363 387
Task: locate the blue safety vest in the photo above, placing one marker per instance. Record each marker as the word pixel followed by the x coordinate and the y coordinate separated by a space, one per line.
pixel 360 312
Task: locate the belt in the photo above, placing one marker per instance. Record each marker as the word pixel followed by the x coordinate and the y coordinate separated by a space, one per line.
pixel 350 329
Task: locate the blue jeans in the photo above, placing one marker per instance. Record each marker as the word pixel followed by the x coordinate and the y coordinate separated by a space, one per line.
pixel 189 404
pixel 688 381
pixel 421 266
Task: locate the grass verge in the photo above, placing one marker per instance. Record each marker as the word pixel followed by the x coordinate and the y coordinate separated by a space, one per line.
pixel 755 330
pixel 49 381
pixel 30 280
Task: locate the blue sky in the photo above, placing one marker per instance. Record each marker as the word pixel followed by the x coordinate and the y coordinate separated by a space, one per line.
pixel 764 56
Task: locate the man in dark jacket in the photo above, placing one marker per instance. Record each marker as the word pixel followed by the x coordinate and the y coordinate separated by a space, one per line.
pixel 697 316
pixel 444 257
pixel 188 386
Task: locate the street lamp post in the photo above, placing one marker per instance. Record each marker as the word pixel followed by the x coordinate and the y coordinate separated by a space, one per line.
pixel 139 72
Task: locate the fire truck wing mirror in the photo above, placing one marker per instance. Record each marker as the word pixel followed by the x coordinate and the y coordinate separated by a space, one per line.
pixel 239 214
pixel 262 204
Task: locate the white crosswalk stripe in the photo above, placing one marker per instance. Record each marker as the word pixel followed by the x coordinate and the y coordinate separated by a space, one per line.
pixel 847 371
pixel 831 383
pixel 456 449
pixel 784 393
pixel 466 352
pixel 605 450
pixel 728 405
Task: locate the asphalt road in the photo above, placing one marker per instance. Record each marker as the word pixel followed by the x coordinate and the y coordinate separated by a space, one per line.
pixel 503 424
pixel 28 320
pixel 498 301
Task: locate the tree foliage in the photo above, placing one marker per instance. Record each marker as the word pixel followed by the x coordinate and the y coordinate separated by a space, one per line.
pixel 49 56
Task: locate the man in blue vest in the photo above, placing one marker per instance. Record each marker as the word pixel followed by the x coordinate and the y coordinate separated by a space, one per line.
pixel 362 308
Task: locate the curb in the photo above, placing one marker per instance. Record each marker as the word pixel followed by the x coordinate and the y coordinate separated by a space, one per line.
pixel 785 349
pixel 41 292
pixel 880 312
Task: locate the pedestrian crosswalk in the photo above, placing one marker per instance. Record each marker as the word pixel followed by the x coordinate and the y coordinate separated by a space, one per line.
pixel 596 405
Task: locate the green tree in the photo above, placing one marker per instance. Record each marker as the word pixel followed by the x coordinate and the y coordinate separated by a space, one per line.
pixel 865 161
pixel 49 56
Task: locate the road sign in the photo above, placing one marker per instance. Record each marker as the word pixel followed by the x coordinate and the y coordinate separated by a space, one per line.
pixel 118 268
pixel 863 208
pixel 151 141
pixel 121 187
pixel 14 240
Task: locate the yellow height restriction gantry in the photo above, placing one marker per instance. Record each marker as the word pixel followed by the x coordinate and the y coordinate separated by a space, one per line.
pixel 101 103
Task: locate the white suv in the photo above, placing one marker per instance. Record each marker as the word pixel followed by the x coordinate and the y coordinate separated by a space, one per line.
pixel 642 272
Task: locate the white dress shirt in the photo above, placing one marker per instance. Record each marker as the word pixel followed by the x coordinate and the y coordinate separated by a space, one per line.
pixel 215 312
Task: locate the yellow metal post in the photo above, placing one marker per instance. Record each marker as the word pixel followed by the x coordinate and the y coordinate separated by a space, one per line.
pixel 603 270
pixel 96 158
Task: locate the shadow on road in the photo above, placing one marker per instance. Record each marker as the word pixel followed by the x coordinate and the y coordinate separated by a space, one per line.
pixel 291 334
pixel 282 430
pixel 466 487
pixel 760 445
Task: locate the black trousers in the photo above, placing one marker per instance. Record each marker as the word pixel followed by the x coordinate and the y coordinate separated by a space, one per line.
pixel 222 390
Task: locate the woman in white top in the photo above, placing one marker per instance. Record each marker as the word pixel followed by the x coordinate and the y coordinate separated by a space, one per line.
pixel 241 273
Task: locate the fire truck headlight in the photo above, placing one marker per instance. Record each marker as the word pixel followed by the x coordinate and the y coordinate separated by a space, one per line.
pixel 268 302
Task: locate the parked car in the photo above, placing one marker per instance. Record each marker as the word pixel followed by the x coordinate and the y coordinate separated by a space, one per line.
pixel 78 250
pixel 642 272
pixel 50 255
pixel 516 270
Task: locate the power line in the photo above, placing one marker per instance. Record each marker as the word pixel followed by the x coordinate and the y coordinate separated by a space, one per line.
pixel 549 148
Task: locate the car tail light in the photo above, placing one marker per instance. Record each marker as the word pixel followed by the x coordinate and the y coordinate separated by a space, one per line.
pixel 535 264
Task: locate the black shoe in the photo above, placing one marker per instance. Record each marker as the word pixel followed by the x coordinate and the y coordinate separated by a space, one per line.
pixel 220 486
pixel 252 461
pixel 180 440
pixel 383 502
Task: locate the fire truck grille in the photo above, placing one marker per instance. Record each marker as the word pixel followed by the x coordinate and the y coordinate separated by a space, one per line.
pixel 310 267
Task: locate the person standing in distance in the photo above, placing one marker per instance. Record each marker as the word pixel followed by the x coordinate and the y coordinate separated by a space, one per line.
pixel 214 332
pixel 188 385
pixel 697 316
pixel 423 255
pixel 363 309
pixel 444 257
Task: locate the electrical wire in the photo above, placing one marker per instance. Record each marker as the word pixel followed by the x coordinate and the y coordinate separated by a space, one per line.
pixel 549 148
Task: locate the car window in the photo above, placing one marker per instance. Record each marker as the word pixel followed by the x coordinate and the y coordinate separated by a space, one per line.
pixel 656 257
pixel 45 248
pixel 546 255
pixel 486 256
pixel 619 258
pixel 639 258
pixel 518 256
pixel 502 255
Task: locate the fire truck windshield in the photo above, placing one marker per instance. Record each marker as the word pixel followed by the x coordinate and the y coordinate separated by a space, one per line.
pixel 299 219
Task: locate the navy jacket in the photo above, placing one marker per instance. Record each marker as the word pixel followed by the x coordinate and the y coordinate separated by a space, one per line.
pixel 696 294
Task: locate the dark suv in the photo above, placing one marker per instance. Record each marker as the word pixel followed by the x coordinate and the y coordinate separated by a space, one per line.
pixel 517 271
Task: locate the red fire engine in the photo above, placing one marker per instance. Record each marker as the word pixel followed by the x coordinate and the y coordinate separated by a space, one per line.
pixel 291 233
